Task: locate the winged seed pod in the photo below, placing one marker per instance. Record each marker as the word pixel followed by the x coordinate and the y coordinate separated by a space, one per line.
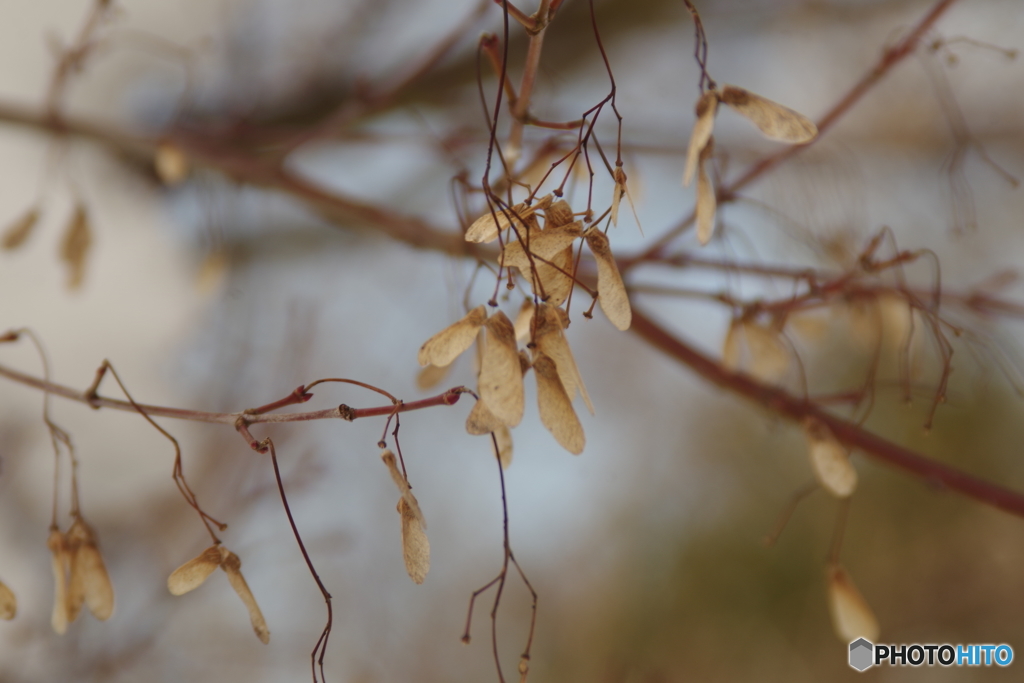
pixel 88 580
pixel 852 617
pixel 707 202
pixel 232 566
pixel 552 343
pixel 170 164
pixel 503 435
pixel 58 555
pixel 611 293
pixel 707 107
pixel 771 118
pixel 481 420
pixel 555 409
pixel 768 357
pixel 829 459
pixel 415 546
pixel 19 231
pixel 485 229
pixel 193 573
pixel 554 279
pixel 524 319
pixel 446 345
pixel 430 376
pixel 559 213
pixel 8 603
pixel 545 244
pixel 501 378
pixel 74 246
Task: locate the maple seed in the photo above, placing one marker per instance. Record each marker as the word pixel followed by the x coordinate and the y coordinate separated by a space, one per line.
pixel 501 378
pixel 552 343
pixel 556 412
pixel 75 245
pixel 193 573
pixel 485 229
pixel 59 620
pixel 707 106
pixel 559 213
pixel 415 546
pixel 829 459
pixel 8 603
pixel 446 345
pixel 232 566
pixel 545 244
pixel 89 581
pixel 19 230
pixel 170 164
pixel 611 293
pixel 852 617
pixel 523 320
pixel 771 118
pixel 481 420
pixel 707 202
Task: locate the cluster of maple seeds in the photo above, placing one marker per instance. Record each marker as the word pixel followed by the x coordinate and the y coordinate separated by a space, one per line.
pixel 543 257
pixel 79 575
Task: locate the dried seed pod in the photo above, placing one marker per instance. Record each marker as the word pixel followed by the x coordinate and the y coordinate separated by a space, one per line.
pixel 481 420
pixel 551 341
pixel 543 244
pixel 829 459
pixel 501 378
pixel 707 107
pixel 487 227
pixel 388 458
pixel 19 231
pixel 60 618
pixel 553 281
pixel 611 293
pixel 769 355
pixel 89 580
pixel 8 603
pixel 446 345
pixel 707 202
pixel 232 566
pixel 523 320
pixel 559 213
pixel 771 118
pixel 503 435
pixel 430 376
pixel 170 163
pixel 415 546
pixel 75 245
pixel 193 573
pixel 852 617
pixel 556 412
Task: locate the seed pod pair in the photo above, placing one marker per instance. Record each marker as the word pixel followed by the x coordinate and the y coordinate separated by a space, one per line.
pixel 415 546
pixel 80 576
pixel 193 573
pixel 771 118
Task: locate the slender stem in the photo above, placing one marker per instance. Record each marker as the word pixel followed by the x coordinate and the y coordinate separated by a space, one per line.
pixel 522 104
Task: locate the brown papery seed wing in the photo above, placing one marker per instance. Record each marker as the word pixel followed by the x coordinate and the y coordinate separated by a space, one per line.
pixel 501 379
pixel 707 106
pixel 524 319
pixel 544 244
pixel 446 345
pixel 59 620
pixel 559 213
pixel 503 436
pixel 829 459
pixel 553 281
pixel 232 566
pixel 20 229
pixel 481 420
pixel 430 376
pixel 8 603
pixel 193 573
pixel 707 203
pixel 415 546
pixel 552 343
pixel 75 537
pixel 556 412
pixel 89 578
pixel 852 617
pixel 611 293
pixel 75 244
pixel 771 118
pixel 396 475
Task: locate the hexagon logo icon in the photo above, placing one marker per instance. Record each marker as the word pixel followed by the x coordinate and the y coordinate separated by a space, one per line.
pixel 861 654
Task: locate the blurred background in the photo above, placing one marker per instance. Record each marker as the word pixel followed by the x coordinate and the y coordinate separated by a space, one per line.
pixel 647 551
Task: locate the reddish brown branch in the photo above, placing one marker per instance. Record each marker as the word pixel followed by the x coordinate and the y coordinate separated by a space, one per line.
pixel 786 405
